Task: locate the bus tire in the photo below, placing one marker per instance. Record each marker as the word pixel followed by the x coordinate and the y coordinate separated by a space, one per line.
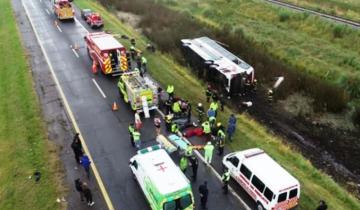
pixel 259 206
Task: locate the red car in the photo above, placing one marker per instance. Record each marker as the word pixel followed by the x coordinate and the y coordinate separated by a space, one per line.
pixel 94 20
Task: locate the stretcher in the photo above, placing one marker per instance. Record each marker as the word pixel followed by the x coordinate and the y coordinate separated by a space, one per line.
pixel 166 144
pixel 178 142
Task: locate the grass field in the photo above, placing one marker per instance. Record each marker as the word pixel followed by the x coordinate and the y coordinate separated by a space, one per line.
pixel 23 141
pixel 306 42
pixel 349 9
pixel 315 184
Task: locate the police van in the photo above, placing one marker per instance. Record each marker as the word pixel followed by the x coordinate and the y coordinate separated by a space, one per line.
pixel 270 185
pixel 163 183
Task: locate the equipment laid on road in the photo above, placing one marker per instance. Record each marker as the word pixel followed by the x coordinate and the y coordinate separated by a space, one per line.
pixel 164 185
pixel 270 185
pixel 218 66
pixel 134 88
pixel 166 144
pixel 107 53
pixel 94 20
pixel 63 9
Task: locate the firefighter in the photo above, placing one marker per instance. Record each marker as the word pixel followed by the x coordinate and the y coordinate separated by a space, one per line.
pixel 136 137
pixel 184 163
pixel 168 121
pixel 214 106
pixel 170 90
pixel 225 179
pixel 143 63
pixel 212 121
pixel 133 42
pixel 209 150
pixel 168 105
pixel 221 141
pixel 132 52
pixel 207 129
pixel 176 108
pixel 201 112
pixel 189 151
pixel 131 130
pixel 208 93
pixel 174 128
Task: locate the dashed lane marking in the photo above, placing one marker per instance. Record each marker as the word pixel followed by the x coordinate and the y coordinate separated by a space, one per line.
pixel 98 87
pixel 47 11
pixel 71 115
pixel 58 27
pixel 74 51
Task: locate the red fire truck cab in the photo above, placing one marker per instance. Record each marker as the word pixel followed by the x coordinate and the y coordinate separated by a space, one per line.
pixel 94 20
pixel 107 53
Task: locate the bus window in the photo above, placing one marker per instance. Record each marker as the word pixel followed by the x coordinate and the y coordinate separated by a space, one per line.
pixel 293 193
pixel 258 184
pixel 244 170
pixel 268 194
pixel 282 197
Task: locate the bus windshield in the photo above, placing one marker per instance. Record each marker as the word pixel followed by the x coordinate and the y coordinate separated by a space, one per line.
pixel 178 204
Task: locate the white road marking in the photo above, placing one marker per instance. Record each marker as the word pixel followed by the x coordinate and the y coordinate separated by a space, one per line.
pixel 32 4
pixel 78 22
pixel 98 87
pixel 211 168
pixel 71 115
pixel 74 51
pixel 58 27
pixel 47 11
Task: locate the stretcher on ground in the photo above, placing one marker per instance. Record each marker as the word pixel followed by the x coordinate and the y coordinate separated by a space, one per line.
pixel 166 144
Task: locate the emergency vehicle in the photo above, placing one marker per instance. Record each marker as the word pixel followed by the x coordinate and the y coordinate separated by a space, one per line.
pixel 218 66
pixel 270 185
pixel 94 20
pixel 63 9
pixel 164 185
pixel 107 53
pixel 135 88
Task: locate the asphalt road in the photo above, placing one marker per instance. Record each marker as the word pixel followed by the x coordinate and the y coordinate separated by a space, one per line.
pixel 105 132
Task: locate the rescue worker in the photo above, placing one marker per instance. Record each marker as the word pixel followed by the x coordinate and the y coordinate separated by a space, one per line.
pixel 132 52
pixel 143 63
pixel 201 112
pixel 157 124
pixel 214 106
pixel 208 93
pixel 136 137
pixel 137 120
pixel 231 127
pixel 212 121
pixel 168 121
pixel 207 129
pixel 209 150
pixel 322 205
pixel 183 163
pixel 189 151
pixel 194 165
pixel 131 129
pixel 174 128
pixel 222 102
pixel 176 107
pixel 214 95
pixel 170 91
pixel 225 180
pixel 210 112
pixel 168 105
pixel 204 192
pixel 221 141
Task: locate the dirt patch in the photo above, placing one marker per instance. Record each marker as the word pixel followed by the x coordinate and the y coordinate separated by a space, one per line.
pixel 130 19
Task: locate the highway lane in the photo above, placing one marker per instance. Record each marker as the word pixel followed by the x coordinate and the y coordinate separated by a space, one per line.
pixel 104 131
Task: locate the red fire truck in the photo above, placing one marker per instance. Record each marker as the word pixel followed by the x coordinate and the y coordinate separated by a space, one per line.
pixel 107 53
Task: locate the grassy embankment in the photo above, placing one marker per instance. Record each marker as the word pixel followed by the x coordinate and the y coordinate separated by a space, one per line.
pixel 349 9
pixel 23 141
pixel 315 184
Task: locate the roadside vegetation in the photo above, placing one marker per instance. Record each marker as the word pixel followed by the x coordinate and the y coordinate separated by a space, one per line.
pixel 164 67
pixel 24 148
pixel 349 9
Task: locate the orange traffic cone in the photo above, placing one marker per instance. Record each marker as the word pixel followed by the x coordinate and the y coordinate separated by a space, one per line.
pixel 115 106
pixel 94 68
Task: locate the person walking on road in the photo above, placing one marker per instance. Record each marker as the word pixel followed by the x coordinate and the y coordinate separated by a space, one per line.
pixel 79 188
pixel 77 148
pixel 138 122
pixel 209 150
pixel 85 162
pixel 183 163
pixel 231 127
pixel 157 124
pixel 88 194
pixel 131 130
pixel 194 165
pixel 225 179
pixel 137 140
pixel 204 192
pixel 322 205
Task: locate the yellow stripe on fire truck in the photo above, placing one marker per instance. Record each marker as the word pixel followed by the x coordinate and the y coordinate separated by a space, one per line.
pixel 124 65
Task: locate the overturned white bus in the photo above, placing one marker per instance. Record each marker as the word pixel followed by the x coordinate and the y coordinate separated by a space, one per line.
pixel 218 66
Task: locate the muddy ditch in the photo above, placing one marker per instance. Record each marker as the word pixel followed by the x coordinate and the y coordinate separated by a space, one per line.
pixel 332 150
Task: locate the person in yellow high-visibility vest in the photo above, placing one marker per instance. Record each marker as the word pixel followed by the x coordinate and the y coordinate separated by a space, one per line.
pixel 170 90
pixel 136 137
pixel 209 150
pixel 214 106
pixel 176 108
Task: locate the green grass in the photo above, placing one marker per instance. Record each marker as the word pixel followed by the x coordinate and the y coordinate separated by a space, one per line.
pixel 305 42
pixel 349 9
pixel 23 143
pixel 315 184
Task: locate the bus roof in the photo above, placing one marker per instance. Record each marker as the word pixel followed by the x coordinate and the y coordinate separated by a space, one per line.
pixel 105 41
pixel 162 171
pixel 227 62
pixel 267 170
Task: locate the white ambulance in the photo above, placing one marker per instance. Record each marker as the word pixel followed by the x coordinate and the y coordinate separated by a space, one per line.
pixel 269 184
pixel 163 183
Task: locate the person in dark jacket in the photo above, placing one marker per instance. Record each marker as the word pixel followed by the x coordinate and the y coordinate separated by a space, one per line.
pixel 77 148
pixel 231 127
pixel 79 188
pixel 204 192
pixel 85 162
pixel 322 205
pixel 88 195
pixel 194 165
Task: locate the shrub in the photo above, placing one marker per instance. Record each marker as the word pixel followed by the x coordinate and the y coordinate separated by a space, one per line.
pixel 339 31
pixel 284 16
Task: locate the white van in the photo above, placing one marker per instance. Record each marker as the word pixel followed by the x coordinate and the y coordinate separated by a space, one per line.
pixel 269 184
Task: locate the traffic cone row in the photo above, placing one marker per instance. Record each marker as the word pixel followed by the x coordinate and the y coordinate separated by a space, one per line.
pixel 115 106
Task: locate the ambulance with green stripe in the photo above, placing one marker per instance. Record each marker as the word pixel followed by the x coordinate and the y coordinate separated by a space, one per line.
pixel 107 53
pixel 163 183
pixel 140 92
